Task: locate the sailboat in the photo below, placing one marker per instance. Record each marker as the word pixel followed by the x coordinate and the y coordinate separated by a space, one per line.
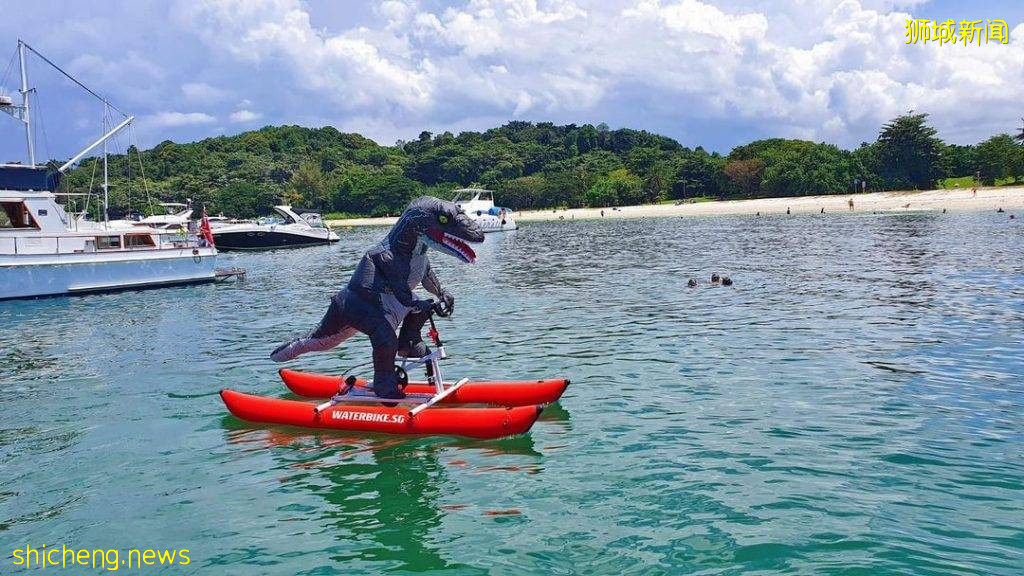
pixel 46 250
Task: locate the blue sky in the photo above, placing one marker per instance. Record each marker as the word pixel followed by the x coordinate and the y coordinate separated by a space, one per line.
pixel 711 73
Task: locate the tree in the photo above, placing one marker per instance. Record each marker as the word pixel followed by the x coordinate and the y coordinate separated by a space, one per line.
pixel 801 168
pixel 381 195
pixel 243 200
pixel 908 154
pixel 697 173
pixel 531 165
pixel 998 158
pixel 958 160
pixel 524 192
pixel 564 188
pixel 308 187
pixel 618 188
pixel 745 175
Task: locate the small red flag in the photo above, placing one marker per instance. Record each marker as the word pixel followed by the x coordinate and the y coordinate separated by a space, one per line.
pixel 204 227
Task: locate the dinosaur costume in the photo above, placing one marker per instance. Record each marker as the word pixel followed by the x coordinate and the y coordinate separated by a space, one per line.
pixel 379 296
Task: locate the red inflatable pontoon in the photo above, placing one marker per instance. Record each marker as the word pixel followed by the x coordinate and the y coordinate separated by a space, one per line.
pixel 510 393
pixel 470 422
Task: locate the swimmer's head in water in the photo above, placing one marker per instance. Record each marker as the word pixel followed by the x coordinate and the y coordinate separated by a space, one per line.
pixel 715 279
pixel 692 283
pixel 726 281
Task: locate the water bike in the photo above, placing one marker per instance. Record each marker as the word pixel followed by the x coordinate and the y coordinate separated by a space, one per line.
pixel 351 405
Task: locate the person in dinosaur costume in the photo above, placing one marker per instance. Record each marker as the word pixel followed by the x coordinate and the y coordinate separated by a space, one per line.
pixel 379 297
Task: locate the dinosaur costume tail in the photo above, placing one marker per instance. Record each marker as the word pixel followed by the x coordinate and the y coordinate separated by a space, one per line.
pixel 330 332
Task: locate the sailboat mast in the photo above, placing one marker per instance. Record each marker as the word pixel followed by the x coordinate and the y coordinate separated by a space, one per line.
pixel 24 104
pixel 106 176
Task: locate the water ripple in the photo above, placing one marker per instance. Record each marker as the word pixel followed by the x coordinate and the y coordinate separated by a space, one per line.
pixel 853 404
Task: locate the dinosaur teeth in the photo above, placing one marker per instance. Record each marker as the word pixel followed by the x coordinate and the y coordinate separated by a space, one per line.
pixel 453 243
pixel 459 246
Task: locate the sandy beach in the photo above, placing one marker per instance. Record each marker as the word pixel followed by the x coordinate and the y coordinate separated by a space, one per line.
pixel 1009 198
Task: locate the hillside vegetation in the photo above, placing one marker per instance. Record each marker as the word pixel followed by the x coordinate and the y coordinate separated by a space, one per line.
pixel 530 165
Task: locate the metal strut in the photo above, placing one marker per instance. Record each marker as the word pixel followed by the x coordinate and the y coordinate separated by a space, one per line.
pixel 349 392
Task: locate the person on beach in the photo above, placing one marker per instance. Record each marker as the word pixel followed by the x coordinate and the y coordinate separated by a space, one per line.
pixel 850 204
pixel 379 297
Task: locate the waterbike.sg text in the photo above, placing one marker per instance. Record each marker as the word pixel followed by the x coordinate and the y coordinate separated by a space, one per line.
pixel 111 560
pixel 368 417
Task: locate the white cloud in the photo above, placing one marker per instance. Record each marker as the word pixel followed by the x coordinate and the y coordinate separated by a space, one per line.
pixel 240 116
pixel 175 119
pixel 203 92
pixel 832 70
pixel 711 72
pixel 355 68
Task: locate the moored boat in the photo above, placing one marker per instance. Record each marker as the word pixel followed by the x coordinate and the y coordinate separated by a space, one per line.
pixel 478 204
pixel 44 251
pixel 289 231
pixel 47 250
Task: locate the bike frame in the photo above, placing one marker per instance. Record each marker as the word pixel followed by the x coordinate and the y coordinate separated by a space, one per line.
pixel 432 364
pixel 432 361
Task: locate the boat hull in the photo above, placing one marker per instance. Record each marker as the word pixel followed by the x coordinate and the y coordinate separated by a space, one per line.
pixel 507 393
pixel 490 223
pixel 468 422
pixel 267 240
pixel 31 276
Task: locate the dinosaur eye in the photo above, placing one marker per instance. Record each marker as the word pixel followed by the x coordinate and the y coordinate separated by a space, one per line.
pixel 442 218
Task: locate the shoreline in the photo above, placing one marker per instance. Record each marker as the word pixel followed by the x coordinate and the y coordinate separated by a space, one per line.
pixel 955 200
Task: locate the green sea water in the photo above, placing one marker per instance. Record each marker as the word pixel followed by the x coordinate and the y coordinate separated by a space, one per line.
pixel 854 404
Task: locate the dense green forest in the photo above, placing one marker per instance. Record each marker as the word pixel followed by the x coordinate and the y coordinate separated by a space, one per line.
pixel 529 165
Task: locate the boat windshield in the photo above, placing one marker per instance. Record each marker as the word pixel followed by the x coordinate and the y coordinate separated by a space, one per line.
pixel 470 195
pixel 313 219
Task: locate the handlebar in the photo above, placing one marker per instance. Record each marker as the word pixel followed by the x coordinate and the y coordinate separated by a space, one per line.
pixel 441 309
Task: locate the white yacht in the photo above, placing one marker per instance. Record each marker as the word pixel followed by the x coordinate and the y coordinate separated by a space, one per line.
pixel 176 216
pixel 478 204
pixel 48 251
pixel 289 230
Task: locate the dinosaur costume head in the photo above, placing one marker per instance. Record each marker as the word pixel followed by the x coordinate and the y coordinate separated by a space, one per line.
pixel 440 225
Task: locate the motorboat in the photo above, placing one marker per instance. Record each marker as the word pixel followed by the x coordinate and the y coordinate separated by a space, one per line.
pixel 173 218
pixel 221 221
pixel 176 216
pixel 47 250
pixel 478 204
pixel 287 230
